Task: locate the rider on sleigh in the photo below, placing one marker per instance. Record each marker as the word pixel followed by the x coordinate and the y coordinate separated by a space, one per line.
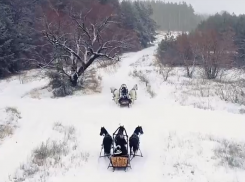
pixel 123 93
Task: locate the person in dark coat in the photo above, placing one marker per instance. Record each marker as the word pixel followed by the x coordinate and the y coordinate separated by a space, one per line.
pixel 123 94
pixel 122 143
pixel 117 151
pixel 123 91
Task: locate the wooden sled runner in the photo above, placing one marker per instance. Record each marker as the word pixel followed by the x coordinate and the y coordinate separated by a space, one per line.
pixel 119 162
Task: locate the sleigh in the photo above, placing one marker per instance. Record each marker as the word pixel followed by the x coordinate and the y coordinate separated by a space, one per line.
pixel 119 162
pixel 122 161
pixel 124 102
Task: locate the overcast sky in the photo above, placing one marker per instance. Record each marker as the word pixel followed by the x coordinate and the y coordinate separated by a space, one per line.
pixel 214 6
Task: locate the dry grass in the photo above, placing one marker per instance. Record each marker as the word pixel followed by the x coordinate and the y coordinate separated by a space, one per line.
pixel 150 91
pixel 49 150
pixel 206 91
pixel 143 61
pixel 110 66
pixel 38 93
pixel 5 131
pixel 141 76
pixel 204 94
pixel 13 111
pixel 164 70
pixel 8 125
pixel 91 82
pixel 143 79
pixel 61 86
pixel 52 155
pixel 231 154
pixel 198 91
pixel 203 105
pixel 186 154
pixel 242 111
pixel 232 92
pixel 229 86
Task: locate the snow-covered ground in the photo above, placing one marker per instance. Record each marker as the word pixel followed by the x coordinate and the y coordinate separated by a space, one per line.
pixel 180 143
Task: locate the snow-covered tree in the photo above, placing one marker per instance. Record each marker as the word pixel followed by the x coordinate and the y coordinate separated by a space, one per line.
pixel 74 51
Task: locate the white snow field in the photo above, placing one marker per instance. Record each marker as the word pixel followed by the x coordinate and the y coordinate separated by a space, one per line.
pixel 180 143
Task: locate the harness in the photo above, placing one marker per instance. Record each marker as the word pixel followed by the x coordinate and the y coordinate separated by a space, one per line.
pixel 134 135
pixel 107 135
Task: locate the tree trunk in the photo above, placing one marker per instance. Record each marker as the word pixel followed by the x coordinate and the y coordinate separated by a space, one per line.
pixel 74 80
pixel 81 70
pixel 211 72
pixel 190 72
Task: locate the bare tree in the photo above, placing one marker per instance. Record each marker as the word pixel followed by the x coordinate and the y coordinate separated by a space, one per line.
pixel 216 51
pixel 75 50
pixel 195 49
pixel 184 47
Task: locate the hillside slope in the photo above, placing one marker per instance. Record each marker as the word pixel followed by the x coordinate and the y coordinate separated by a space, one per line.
pixel 179 143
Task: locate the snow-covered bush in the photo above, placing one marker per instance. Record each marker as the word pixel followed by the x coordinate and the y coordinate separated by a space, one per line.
pixel 141 76
pixel 56 154
pixel 9 123
pixel 62 86
pixel 143 79
pixel 231 154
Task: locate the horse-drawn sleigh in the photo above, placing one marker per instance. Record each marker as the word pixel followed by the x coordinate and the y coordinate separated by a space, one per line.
pixel 124 98
pixel 117 147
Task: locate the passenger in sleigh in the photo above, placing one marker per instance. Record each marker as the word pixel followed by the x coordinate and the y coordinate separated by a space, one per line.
pixel 123 93
pixel 121 149
pixel 117 152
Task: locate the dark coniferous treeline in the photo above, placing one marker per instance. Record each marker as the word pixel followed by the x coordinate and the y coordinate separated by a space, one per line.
pixel 137 16
pixel 173 16
pixel 17 38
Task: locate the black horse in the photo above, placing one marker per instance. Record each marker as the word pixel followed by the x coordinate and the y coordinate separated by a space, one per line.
pixel 134 140
pixel 107 141
pixel 120 140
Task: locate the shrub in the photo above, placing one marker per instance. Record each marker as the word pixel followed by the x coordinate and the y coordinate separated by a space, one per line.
pixel 231 154
pixel 60 84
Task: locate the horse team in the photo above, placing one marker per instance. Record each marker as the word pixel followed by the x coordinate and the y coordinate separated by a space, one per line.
pixel 119 143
